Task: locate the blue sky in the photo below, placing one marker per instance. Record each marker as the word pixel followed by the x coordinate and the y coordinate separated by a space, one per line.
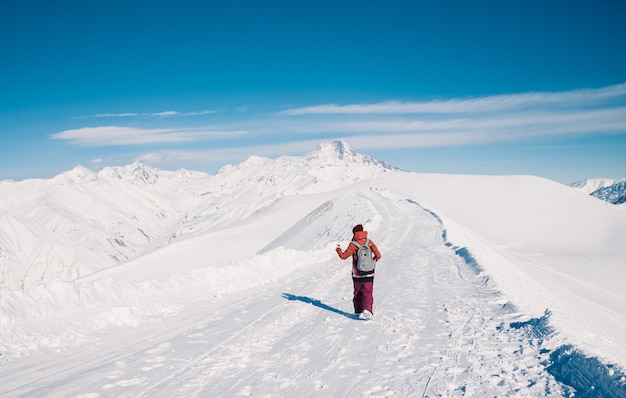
pixel 486 87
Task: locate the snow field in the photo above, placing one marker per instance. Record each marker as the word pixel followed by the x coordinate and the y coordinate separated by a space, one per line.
pixel 549 247
pixel 60 313
pixel 440 328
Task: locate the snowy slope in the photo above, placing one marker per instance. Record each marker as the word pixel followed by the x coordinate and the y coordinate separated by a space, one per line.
pixel 546 245
pixel 249 298
pixel 440 329
pixel 81 221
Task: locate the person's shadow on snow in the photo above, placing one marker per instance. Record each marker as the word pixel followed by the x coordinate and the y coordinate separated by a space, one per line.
pixel 319 304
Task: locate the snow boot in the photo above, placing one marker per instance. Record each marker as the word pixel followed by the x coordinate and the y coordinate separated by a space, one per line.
pixel 366 315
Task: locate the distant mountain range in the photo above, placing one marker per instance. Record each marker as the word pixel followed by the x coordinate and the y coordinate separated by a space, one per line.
pixel 612 191
pixel 82 221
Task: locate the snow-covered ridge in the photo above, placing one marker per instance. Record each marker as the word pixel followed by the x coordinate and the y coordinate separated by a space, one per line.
pixel 592 184
pixel 615 193
pixel 612 191
pixel 82 221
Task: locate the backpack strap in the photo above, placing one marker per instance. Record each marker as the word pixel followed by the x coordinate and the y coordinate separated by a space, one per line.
pixel 358 245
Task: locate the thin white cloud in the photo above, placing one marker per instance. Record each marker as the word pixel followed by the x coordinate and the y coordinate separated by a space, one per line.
pixel 115 136
pixel 505 118
pixel 166 113
pixel 518 125
pixel 205 112
pixel 394 135
pixel 541 123
pixel 406 133
pixel 114 115
pixel 495 103
pixel 148 115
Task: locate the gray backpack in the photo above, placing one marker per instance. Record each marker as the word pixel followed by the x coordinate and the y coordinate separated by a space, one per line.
pixel 365 261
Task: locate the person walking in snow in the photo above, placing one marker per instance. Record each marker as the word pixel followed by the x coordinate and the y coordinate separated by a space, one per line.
pixel 363 299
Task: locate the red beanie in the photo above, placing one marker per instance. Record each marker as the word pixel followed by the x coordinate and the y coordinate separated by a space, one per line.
pixel 357 228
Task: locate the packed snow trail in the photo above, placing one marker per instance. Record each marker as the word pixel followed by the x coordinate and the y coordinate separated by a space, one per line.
pixel 439 329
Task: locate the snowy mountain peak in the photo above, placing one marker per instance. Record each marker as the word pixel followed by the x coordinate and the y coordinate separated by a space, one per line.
pixel 141 172
pixel 137 173
pixel 339 154
pixel 337 149
pixel 76 175
pixel 330 166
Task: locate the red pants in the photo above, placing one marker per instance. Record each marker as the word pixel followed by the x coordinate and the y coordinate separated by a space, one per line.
pixel 363 296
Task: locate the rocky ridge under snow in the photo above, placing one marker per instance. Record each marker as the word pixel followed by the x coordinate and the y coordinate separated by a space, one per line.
pixel 592 184
pixel 615 193
pixel 612 191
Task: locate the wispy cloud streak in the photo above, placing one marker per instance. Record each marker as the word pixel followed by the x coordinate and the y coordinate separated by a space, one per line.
pixel 116 136
pixel 496 103
pixel 526 117
pixel 148 115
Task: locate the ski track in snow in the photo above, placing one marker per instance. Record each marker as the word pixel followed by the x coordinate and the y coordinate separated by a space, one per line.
pixel 440 329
